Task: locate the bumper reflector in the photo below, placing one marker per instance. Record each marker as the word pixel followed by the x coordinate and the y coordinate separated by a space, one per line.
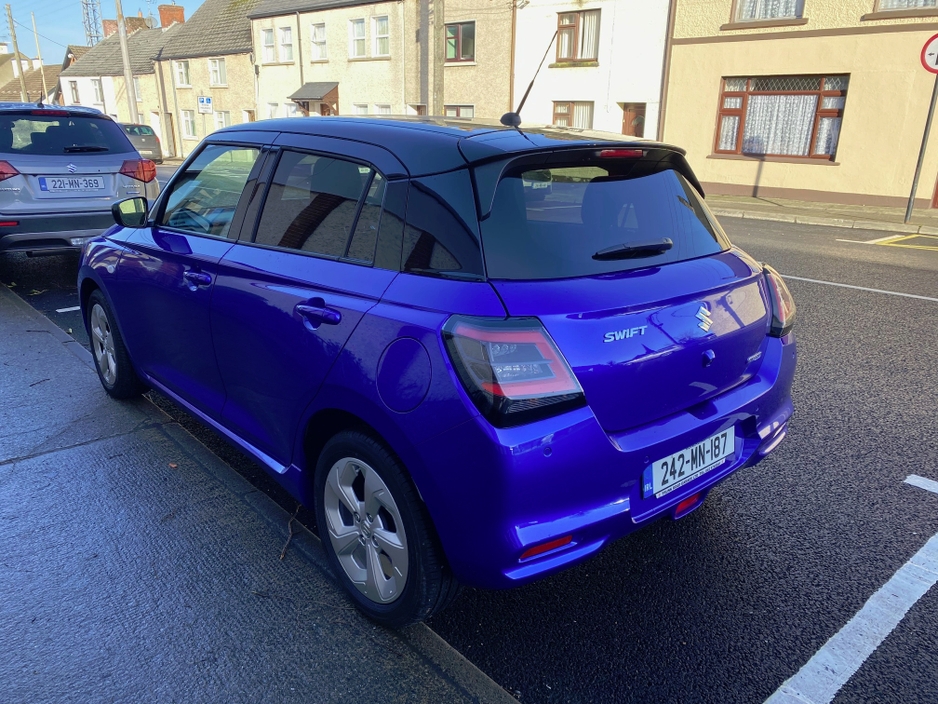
pixel 9 223
pixel 686 505
pixel 546 547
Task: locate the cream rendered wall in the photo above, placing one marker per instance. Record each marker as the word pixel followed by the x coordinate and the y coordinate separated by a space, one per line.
pixel 238 95
pixel 631 53
pixel 883 119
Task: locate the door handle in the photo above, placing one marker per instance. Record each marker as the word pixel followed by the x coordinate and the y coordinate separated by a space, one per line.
pixel 196 279
pixel 319 314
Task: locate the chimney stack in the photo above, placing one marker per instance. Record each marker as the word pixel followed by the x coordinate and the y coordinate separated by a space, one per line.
pixel 170 14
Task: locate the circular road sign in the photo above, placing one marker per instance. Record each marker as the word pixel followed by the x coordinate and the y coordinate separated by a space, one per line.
pixel 930 55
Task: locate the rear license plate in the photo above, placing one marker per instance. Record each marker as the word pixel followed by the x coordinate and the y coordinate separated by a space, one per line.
pixel 71 184
pixel 674 471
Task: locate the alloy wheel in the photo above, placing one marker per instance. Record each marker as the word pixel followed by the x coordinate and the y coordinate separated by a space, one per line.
pixel 103 344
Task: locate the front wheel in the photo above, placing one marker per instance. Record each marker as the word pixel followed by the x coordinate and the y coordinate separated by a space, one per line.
pixel 377 534
pixel 115 371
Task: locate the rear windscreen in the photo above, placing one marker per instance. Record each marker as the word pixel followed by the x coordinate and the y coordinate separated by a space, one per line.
pixel 138 130
pixel 46 134
pixel 584 220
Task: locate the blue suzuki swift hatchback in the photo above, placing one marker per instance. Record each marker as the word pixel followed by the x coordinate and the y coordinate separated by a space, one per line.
pixel 480 353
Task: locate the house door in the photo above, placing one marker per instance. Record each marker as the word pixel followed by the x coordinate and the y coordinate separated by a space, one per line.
pixel 155 125
pixel 633 119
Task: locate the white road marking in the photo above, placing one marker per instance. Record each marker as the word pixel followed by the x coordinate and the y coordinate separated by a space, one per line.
pixel 67 310
pixel 876 241
pixel 860 288
pixel 922 483
pixel 839 658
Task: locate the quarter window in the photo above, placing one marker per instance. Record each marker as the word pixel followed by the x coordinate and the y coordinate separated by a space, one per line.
pixel 319 42
pixel 578 36
pixel 382 39
pixel 781 115
pixel 574 114
pixel 750 10
pixel 461 41
pixel 203 199
pixel 356 39
pixel 270 53
pixel 218 76
pixel 286 44
pixel 182 74
pixel 312 204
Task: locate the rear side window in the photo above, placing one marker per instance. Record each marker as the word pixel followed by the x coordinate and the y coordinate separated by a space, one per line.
pixel 313 205
pixel 48 135
pixel 553 223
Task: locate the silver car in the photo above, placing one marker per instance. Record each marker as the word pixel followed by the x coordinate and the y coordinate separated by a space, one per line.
pixel 61 170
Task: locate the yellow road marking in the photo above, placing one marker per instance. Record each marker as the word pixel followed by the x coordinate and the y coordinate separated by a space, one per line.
pixel 898 242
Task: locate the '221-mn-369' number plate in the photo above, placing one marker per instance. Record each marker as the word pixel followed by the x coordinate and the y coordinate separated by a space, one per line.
pixel 674 471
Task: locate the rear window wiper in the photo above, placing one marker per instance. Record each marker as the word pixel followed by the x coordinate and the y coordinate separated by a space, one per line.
pixel 86 148
pixel 635 250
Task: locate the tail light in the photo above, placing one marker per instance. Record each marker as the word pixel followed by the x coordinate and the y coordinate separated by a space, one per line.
pixel 7 170
pixel 783 305
pixel 511 369
pixel 140 169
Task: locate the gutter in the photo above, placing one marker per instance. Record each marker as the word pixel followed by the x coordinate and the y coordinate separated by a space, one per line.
pixel 666 69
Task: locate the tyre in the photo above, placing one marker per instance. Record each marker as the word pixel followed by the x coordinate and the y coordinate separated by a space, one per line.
pixel 377 534
pixel 115 371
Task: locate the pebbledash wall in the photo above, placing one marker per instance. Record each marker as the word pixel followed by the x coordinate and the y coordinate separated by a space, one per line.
pixel 883 115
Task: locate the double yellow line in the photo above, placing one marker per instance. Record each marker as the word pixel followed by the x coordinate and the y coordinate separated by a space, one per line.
pixel 900 240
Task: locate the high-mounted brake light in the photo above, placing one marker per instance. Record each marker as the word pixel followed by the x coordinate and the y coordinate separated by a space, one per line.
pixel 7 170
pixel 511 369
pixel 783 305
pixel 140 169
pixel 50 113
pixel 621 154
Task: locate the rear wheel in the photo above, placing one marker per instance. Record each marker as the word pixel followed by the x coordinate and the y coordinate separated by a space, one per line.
pixel 377 534
pixel 115 371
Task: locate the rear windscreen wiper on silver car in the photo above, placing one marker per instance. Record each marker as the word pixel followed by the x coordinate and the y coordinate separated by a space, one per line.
pixel 634 251
pixel 86 148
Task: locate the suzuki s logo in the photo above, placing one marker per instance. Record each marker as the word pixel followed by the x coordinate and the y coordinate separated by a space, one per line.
pixel 72 168
pixel 703 315
pixel 617 335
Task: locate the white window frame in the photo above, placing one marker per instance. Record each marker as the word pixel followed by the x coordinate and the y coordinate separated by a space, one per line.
pixel 182 72
pixel 359 108
pixel 188 125
pixel 269 49
pixel 382 109
pixel 137 92
pixel 762 10
pixel 320 49
pixel 98 90
pixel 217 66
pixel 376 37
pixel 222 119
pixel 73 89
pixel 273 110
pixel 286 45
pixel 291 109
pixel 353 40
pixel 459 110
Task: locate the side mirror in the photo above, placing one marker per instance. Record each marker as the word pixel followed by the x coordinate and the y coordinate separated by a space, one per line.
pixel 131 212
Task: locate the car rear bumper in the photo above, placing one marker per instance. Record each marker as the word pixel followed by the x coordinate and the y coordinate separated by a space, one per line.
pixel 505 491
pixel 51 234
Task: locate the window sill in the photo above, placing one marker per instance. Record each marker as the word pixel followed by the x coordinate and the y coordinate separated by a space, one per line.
pixel 218 85
pixel 817 161
pixel 459 63
pixel 900 14
pixel 319 61
pixel 574 64
pixel 191 139
pixel 356 59
pixel 759 24
pixel 277 63
pixel 186 86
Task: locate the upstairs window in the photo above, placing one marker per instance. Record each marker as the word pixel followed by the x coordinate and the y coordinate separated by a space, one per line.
pixel 138 94
pixel 73 89
pixel 98 90
pixel 752 10
pixel 382 39
pixel 905 4
pixel 216 72
pixel 270 54
pixel 319 42
pixel 578 36
pixel 182 74
pixel 461 41
pixel 356 30
pixel 796 116
pixel 286 44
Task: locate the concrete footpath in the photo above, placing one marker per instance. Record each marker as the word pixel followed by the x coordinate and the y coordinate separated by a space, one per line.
pixel 135 566
pixel 860 217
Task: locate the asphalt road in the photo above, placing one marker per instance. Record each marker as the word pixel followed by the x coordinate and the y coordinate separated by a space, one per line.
pixel 729 602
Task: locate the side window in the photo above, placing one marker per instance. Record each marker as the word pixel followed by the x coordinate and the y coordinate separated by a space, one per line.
pixel 439 237
pixel 365 236
pixel 312 203
pixel 203 199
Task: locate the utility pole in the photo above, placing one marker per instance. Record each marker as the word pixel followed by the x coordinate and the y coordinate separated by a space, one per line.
pixel 125 57
pixel 42 70
pixel 16 56
pixel 438 53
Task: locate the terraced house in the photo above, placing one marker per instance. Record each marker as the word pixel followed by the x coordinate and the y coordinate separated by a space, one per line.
pixel 820 100
pixel 355 57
